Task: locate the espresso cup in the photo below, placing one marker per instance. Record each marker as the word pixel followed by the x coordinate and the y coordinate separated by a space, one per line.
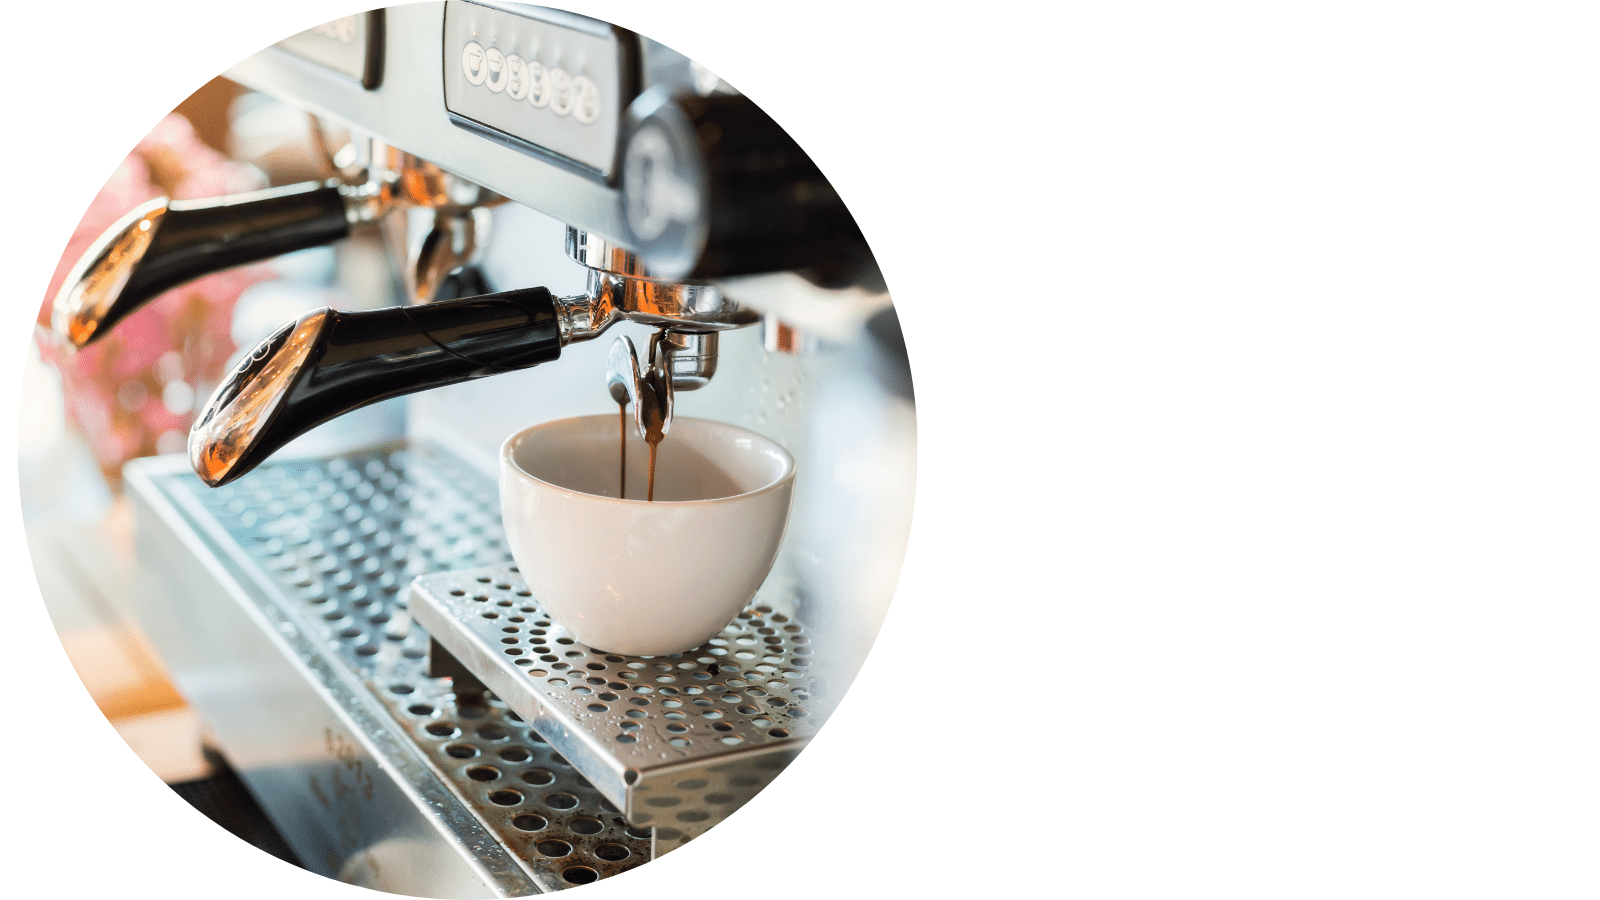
pixel 636 577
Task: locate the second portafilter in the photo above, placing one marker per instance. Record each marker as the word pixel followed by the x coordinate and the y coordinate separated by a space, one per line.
pixel 164 243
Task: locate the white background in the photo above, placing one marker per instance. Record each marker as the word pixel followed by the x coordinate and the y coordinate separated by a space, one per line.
pixel 1254 551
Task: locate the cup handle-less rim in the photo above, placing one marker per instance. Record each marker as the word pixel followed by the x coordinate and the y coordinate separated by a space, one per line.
pixel 509 464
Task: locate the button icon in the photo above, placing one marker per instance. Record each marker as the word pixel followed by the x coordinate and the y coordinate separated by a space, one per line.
pixel 561 92
pixel 538 83
pixel 473 62
pixel 496 64
pixel 586 100
pixel 516 77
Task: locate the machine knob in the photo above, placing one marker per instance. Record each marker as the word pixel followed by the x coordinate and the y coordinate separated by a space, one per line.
pixel 712 187
pixel 162 244
pixel 327 363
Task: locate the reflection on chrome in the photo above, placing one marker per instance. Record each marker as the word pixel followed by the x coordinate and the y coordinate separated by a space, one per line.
pixel 94 284
pixel 243 404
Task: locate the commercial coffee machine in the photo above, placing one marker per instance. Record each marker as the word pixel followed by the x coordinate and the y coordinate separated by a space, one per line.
pixel 555 191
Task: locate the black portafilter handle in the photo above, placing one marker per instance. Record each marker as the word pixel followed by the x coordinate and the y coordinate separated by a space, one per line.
pixel 713 187
pixel 164 243
pixel 327 363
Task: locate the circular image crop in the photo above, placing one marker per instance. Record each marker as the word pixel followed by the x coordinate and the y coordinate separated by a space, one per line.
pixel 467 449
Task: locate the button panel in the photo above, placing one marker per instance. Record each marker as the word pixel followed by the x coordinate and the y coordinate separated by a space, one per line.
pixel 555 82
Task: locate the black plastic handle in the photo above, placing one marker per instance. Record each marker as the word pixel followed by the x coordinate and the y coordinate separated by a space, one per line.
pixel 188 239
pixel 328 363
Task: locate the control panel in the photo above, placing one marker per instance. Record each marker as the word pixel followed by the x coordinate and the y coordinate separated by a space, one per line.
pixel 351 45
pixel 544 80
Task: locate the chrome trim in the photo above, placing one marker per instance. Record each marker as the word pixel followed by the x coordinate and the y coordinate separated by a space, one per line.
pixel 453 241
pixel 693 358
pixel 419 182
pixel 664 769
pixel 619 287
pixel 259 385
pixel 592 250
pixel 96 281
pixel 649 389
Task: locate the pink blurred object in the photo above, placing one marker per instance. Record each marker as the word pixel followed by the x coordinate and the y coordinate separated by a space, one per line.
pixel 173 350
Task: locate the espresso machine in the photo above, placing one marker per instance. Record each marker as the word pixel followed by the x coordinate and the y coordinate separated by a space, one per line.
pixel 554 192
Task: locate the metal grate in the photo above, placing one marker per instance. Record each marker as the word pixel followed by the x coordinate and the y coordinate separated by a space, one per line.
pixel 678 741
pixel 341 538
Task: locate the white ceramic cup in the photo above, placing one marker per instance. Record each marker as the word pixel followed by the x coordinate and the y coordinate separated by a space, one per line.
pixel 635 577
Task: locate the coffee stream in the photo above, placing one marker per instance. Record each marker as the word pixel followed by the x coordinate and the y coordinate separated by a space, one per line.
pixel 650 392
pixel 652 436
pixel 650 495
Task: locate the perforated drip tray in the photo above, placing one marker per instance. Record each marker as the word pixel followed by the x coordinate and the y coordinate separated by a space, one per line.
pixel 677 742
pixel 336 541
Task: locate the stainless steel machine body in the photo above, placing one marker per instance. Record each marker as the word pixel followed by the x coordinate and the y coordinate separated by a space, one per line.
pixel 348 697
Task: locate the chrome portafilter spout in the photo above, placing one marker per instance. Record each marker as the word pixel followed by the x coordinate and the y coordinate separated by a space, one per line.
pixel 649 390
pixel 164 243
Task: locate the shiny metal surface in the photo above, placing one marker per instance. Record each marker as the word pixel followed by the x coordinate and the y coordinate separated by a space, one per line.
pixel 692 359
pixel 677 742
pixel 595 252
pixel 619 281
pixel 395 181
pixel 421 183
pixel 661 304
pixel 453 240
pixel 97 279
pixel 278 602
pixel 618 288
pixel 406 111
pixel 647 389
pixel 237 411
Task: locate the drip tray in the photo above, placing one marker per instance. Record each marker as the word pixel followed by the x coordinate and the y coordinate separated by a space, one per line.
pixel 279 604
pixel 676 742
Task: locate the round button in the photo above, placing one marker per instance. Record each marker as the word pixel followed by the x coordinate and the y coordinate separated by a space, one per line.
pixel 561 92
pixel 473 62
pixel 516 77
pixel 497 70
pixel 586 100
pixel 538 83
